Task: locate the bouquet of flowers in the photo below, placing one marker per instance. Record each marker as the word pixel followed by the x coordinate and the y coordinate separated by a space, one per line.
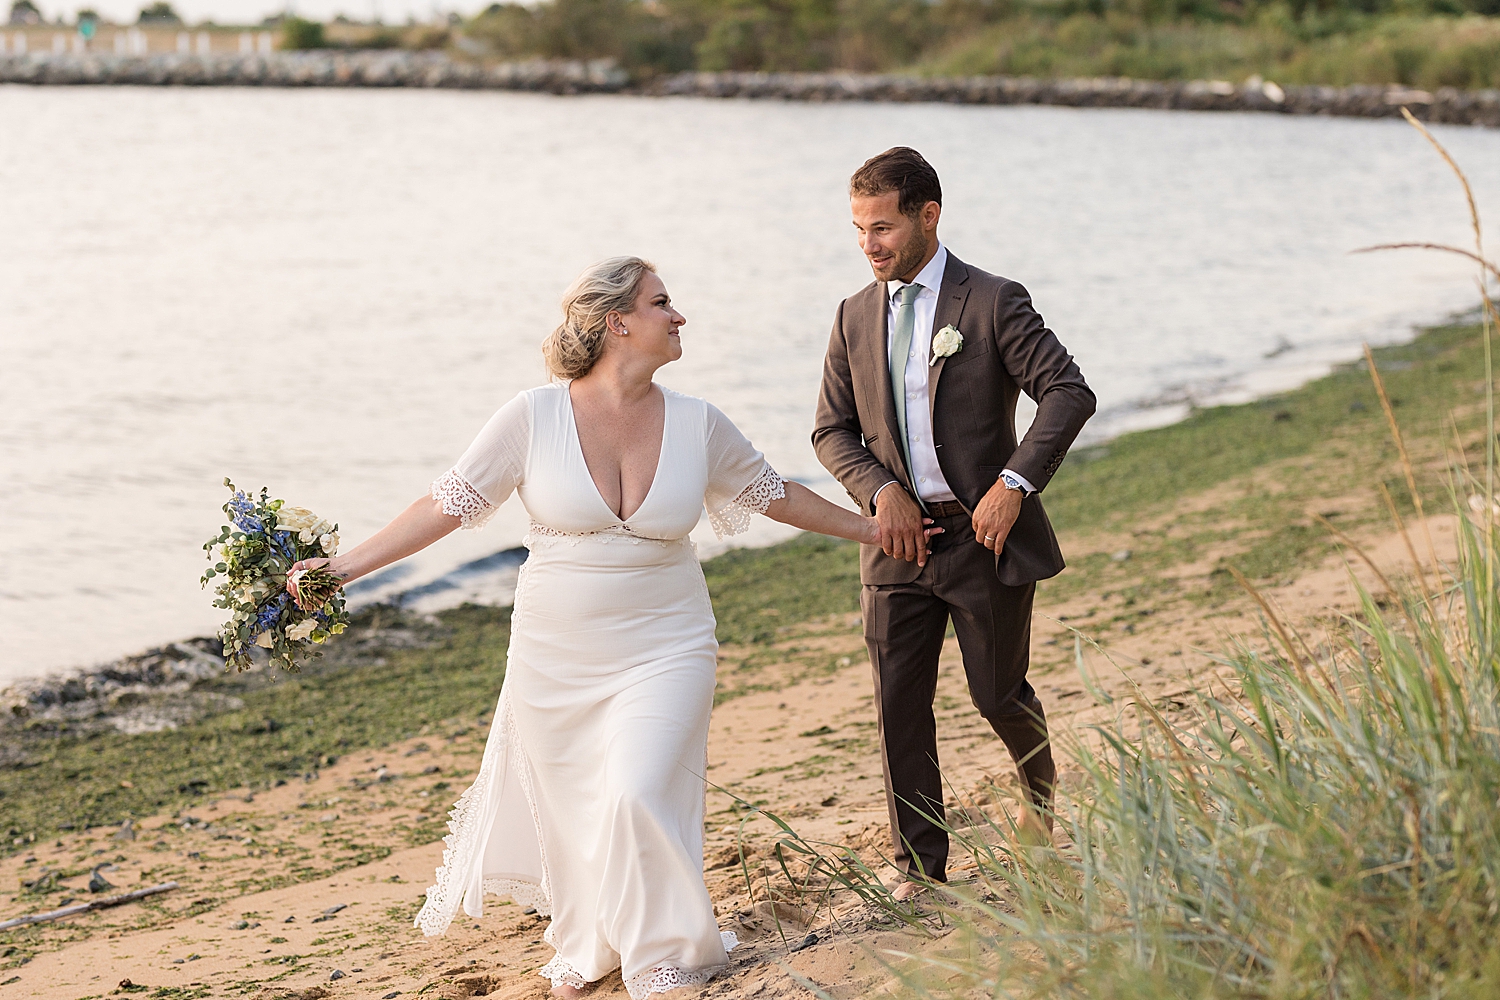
pixel 254 557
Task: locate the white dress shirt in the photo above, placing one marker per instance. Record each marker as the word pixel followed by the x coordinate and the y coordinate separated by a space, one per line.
pixel 927 474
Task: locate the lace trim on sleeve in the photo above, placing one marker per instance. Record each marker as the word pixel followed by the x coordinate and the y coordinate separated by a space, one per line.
pixel 462 500
pixel 734 517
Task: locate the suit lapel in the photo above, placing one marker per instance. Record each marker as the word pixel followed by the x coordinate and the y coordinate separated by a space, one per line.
pixel 879 353
pixel 950 309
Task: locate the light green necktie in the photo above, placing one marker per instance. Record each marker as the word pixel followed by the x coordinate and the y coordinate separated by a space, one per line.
pixel 906 321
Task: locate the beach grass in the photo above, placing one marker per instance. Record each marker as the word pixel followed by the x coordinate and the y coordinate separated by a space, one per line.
pixel 1327 823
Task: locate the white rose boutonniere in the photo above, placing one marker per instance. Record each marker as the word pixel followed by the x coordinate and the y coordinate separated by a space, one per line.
pixel 946 343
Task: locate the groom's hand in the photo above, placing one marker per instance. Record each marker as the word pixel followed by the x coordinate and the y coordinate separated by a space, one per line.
pixel 995 516
pixel 901 530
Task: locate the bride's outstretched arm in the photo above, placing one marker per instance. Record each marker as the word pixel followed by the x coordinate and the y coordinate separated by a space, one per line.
pixel 415 528
pixel 802 508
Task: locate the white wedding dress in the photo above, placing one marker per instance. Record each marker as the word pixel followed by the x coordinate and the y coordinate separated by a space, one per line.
pixel 589 800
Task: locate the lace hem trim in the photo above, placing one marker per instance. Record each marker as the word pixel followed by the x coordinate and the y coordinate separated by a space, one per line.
pixel 446 894
pixel 657 980
pixel 522 892
pixel 563 974
pixel 734 517
pixel 462 500
pixel 665 977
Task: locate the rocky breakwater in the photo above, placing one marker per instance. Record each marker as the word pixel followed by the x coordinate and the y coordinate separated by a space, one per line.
pixel 1446 105
pixel 399 68
pixel 158 689
pixel 383 68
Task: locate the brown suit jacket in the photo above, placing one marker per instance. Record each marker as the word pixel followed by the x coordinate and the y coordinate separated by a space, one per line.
pixel 1007 349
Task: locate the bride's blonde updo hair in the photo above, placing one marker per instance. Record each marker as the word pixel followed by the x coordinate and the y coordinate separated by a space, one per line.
pixel 611 285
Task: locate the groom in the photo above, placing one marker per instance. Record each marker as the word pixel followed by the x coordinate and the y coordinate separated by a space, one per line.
pixel 916 418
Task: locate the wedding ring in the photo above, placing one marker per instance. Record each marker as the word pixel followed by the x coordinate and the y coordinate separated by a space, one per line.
pixel 989 538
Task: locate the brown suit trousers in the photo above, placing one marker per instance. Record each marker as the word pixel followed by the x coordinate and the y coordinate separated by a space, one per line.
pixel 1007 349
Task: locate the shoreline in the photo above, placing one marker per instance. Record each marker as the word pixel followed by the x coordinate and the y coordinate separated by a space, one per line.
pixel 154 688
pixel 401 68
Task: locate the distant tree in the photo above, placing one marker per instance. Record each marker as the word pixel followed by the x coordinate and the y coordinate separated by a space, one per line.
pixel 300 34
pixel 24 12
pixel 160 12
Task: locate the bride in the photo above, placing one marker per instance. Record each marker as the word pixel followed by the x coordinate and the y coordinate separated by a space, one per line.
pixel 589 800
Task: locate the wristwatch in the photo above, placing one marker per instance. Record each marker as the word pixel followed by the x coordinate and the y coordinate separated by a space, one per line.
pixel 1013 482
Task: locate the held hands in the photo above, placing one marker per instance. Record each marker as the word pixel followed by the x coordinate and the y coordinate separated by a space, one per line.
pixel 995 516
pixel 899 528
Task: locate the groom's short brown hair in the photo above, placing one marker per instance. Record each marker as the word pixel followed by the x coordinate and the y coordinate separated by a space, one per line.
pixel 903 170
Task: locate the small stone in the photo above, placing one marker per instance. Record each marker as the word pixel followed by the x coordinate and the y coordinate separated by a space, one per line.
pixel 336 908
pixel 529 910
pixel 336 974
pixel 392 995
pixel 1121 555
pixel 806 942
pixel 98 883
pixel 126 831
pixel 289 920
pixel 178 961
pixel 239 925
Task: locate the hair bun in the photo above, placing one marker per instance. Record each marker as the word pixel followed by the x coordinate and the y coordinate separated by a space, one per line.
pixel 611 285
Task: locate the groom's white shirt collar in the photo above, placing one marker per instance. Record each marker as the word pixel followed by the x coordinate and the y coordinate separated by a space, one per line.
pixel 930 277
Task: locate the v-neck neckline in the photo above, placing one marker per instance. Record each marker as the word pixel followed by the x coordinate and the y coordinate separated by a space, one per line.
pixel 655 473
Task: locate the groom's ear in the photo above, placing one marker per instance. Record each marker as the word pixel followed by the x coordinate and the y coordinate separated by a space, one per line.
pixel 929 215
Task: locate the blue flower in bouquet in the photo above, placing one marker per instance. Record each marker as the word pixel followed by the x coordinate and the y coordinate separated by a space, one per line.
pixel 241 510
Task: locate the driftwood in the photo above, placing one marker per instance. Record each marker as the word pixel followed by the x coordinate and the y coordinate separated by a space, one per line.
pixel 96 904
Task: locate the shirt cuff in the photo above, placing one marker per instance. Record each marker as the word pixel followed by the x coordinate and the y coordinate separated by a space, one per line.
pixel 1022 479
pixel 877 495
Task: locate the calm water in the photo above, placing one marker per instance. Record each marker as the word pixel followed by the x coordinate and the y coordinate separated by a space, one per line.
pixel 329 292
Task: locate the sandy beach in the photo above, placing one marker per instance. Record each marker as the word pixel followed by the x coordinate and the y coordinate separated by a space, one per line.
pixel 245 923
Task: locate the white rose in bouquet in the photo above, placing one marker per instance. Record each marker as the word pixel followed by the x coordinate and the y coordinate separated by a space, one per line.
pixel 301 630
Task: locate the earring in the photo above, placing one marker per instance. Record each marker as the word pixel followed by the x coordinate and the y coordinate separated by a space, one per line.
pixel 624 332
